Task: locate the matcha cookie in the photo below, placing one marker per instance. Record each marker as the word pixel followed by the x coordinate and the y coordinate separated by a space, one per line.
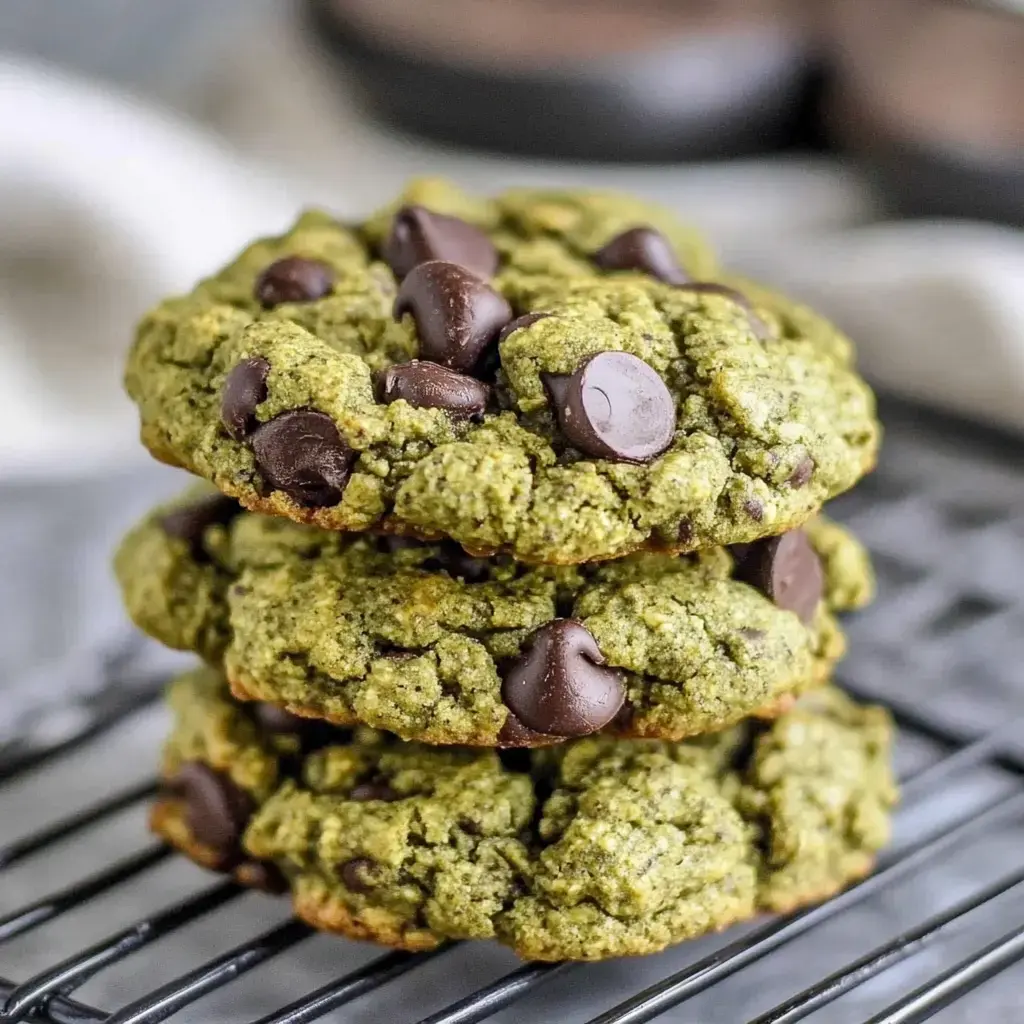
pixel 562 377
pixel 431 644
pixel 595 849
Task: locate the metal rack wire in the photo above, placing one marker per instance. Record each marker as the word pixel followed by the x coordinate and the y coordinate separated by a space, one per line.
pixel 48 995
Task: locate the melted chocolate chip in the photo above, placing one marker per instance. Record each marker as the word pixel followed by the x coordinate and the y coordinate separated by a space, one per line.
pixel 754 509
pixel 301 453
pixel 559 685
pixel 375 789
pixel 519 323
pixel 216 810
pixel 457 315
pixel 614 407
pixel 244 389
pixel 357 874
pixel 786 569
pixel 419 236
pixel 190 522
pixel 642 249
pixel 430 386
pixel 761 330
pixel 801 476
pixel 293 279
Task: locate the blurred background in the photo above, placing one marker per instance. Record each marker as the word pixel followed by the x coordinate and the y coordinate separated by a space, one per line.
pixel 866 154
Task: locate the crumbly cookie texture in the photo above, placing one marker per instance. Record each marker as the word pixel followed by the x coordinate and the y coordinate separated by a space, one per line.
pixel 428 643
pixel 594 849
pixel 396 376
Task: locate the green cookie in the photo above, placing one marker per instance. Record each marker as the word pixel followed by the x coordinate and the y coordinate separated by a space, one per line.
pixel 594 849
pixel 394 376
pixel 433 645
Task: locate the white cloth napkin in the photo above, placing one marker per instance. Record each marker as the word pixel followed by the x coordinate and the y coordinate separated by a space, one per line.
pixel 106 204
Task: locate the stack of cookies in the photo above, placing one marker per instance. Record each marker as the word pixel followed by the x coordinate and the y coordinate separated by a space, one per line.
pixel 515 602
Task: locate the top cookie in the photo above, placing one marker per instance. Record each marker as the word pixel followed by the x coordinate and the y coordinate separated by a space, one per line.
pixel 563 377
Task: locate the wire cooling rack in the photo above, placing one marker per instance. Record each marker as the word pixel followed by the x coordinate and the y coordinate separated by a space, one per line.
pixel 941 917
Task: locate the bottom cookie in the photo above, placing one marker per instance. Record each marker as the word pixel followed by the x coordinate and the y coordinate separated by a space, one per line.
pixel 593 849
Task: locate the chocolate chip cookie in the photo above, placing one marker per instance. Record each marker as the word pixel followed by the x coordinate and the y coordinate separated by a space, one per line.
pixel 432 644
pixel 562 377
pixel 595 849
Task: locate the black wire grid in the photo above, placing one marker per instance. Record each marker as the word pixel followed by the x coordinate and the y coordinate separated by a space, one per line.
pixel 48 994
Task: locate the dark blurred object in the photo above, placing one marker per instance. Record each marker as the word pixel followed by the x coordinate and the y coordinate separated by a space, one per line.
pixel 581 79
pixel 930 94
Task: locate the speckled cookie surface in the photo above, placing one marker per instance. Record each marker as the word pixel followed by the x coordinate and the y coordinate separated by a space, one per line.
pixel 432 645
pixel 563 377
pixel 595 849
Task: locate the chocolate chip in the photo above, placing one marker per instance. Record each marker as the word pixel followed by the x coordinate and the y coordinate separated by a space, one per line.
pixel 761 330
pixel 375 789
pixel 642 249
pixel 190 522
pixel 684 535
pixel 418 236
pixel 614 407
pixel 514 736
pixel 519 323
pixel 623 720
pixel 301 453
pixel 262 875
pixel 357 874
pixel 244 389
pixel 558 685
pixel 786 569
pixel 801 476
pixel 457 315
pixel 490 364
pixel 430 386
pixel 557 387
pixel 293 279
pixel 754 509
pixel 216 810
